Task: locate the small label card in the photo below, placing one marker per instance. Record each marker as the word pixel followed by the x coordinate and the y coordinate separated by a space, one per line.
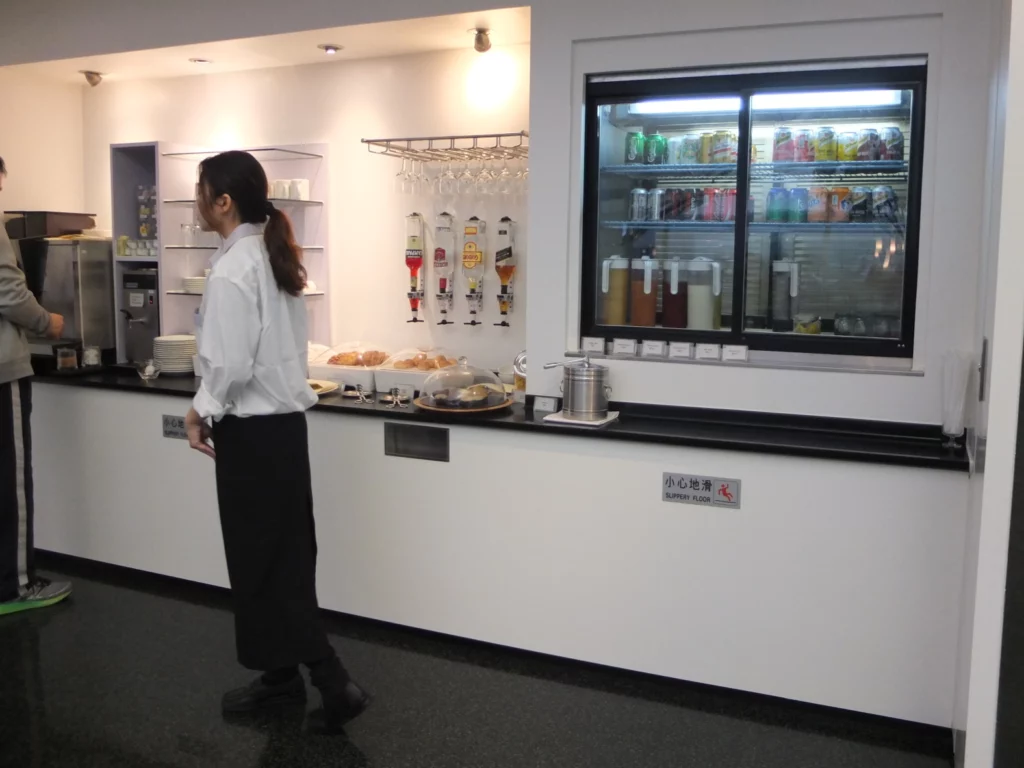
pixel 709 352
pixel 680 350
pixel 593 345
pixel 734 353
pixel 624 347
pixel 653 349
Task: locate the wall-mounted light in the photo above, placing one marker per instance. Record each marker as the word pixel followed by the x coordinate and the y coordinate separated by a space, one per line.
pixel 777 101
pixel 481 39
pixel 200 61
pixel 92 78
pixel 330 48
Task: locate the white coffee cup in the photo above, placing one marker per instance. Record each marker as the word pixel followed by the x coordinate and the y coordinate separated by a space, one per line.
pixel 279 189
pixel 299 189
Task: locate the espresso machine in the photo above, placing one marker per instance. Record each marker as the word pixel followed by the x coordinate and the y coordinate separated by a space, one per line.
pixel 140 306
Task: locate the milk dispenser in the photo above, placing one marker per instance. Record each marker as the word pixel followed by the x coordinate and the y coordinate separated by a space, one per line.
pixel 704 295
pixel 474 245
pixel 414 261
pixel 444 263
pixel 785 295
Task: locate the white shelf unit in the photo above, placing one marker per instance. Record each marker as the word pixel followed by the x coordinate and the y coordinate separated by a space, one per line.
pixel 179 171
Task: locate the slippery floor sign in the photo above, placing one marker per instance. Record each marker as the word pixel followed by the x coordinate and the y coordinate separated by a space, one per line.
pixel 700 490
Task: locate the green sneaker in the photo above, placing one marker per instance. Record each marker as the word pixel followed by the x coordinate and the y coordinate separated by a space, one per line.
pixel 41 593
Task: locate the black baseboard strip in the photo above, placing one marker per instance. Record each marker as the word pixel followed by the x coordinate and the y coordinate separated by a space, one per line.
pixel 759 708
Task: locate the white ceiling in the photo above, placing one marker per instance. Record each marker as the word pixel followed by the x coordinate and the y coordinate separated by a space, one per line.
pixel 509 26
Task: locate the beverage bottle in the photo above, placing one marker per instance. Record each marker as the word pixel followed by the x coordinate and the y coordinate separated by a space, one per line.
pixel 444 262
pixel 505 264
pixel 474 246
pixel 414 261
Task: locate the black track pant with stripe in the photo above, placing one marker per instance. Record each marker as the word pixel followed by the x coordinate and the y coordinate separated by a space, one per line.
pixel 16 566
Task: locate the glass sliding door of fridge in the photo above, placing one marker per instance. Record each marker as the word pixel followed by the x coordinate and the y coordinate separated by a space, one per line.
pixel 665 210
pixel 827 242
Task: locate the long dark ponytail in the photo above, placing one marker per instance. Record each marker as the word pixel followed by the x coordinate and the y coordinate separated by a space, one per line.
pixel 240 176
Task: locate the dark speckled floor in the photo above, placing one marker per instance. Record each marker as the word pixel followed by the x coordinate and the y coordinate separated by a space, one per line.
pixel 130 671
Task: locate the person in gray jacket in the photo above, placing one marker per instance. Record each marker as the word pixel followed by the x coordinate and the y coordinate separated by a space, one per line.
pixel 20 313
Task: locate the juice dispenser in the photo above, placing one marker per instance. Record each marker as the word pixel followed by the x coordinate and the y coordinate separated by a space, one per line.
pixel 785 295
pixel 674 294
pixel 444 263
pixel 704 295
pixel 643 292
pixel 414 261
pixel 614 298
pixel 474 245
pixel 505 265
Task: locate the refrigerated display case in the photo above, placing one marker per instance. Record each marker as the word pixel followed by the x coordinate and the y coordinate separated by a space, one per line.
pixel 776 208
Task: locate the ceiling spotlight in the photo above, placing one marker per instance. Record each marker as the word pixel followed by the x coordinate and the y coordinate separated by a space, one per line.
pixel 92 78
pixel 200 61
pixel 330 48
pixel 481 40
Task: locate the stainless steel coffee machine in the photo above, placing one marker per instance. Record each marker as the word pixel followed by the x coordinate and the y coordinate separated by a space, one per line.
pixel 72 276
pixel 140 305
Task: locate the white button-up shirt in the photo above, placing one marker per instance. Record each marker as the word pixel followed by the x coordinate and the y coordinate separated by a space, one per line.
pixel 252 336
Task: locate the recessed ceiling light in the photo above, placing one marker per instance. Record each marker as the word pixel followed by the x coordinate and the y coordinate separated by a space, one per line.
pixel 481 39
pixel 200 61
pixel 330 48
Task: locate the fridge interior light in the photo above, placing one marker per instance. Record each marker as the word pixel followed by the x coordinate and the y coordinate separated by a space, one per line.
pixel 802 100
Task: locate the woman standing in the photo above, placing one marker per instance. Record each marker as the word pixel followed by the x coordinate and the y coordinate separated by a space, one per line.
pixel 252 358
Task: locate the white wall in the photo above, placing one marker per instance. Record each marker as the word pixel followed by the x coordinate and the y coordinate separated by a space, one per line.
pixel 339 104
pixel 41 143
pixel 655 35
pixel 836 583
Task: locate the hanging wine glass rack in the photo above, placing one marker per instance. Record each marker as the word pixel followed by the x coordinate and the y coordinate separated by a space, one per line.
pixel 454 149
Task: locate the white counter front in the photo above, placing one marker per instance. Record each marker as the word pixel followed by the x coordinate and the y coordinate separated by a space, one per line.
pixel 837 583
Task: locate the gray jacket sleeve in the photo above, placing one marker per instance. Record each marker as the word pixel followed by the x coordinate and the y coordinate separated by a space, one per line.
pixel 17 304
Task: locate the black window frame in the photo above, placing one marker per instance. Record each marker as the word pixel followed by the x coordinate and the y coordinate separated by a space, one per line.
pixel 601 91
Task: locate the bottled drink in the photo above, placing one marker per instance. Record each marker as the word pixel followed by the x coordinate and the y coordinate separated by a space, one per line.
pixel 505 261
pixel 474 245
pixel 414 259
pixel 444 261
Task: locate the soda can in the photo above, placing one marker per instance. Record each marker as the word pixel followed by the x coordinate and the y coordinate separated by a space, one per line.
pixel 675 150
pixel 721 149
pixel 727 208
pixel 734 148
pixel 826 147
pixel 656 205
pixel 849 144
pixel 777 209
pixel 638 204
pixel 689 153
pixel 784 145
pixel 803 146
pixel 798 205
pixel 655 150
pixel 839 203
pixel 817 204
pixel 634 147
pixel 674 204
pixel 707 142
pixel 860 204
pixel 686 206
pixel 893 144
pixel 696 205
pixel 870 147
pixel 884 204
pixel 712 206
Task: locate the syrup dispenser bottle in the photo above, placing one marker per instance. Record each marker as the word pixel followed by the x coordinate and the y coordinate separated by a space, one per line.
pixel 474 247
pixel 505 257
pixel 414 261
pixel 444 263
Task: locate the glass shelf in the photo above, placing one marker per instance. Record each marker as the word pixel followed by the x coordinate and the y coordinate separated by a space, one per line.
pixel 268 154
pixel 762 170
pixel 274 200
pixel 310 295
pixel 849 228
pixel 215 247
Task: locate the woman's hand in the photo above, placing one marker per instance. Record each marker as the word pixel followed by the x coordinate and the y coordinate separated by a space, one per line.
pixel 199 433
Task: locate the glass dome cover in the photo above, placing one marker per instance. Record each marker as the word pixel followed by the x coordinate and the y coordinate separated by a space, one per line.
pixel 462 386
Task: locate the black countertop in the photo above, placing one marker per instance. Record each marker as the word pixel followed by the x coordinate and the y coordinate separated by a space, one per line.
pixel 844 439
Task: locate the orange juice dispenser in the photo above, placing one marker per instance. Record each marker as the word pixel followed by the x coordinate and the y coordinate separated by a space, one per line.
pixel 474 246
pixel 414 261
pixel 505 265
pixel 444 263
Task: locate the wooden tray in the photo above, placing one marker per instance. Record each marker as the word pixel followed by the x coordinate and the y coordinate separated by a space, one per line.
pixel 486 409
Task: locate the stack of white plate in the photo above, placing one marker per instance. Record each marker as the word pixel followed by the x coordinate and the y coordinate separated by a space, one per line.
pixel 174 353
pixel 194 284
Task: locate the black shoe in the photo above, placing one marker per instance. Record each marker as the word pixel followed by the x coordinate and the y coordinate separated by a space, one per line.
pixel 259 695
pixel 340 708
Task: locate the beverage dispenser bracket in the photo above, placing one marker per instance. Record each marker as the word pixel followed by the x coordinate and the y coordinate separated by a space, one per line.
pixel 454 149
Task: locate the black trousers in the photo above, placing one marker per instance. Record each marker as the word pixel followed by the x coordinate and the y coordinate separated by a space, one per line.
pixel 16 493
pixel 265 495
